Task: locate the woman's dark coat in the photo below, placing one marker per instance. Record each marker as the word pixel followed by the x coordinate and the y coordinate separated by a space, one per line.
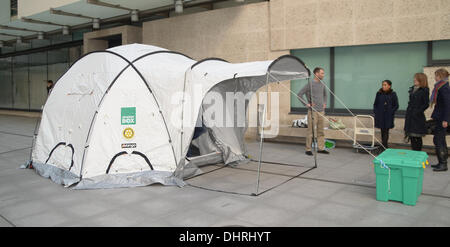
pixel 441 110
pixel 384 107
pixel 415 116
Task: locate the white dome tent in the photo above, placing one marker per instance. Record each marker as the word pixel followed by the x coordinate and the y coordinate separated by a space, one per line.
pixel 110 120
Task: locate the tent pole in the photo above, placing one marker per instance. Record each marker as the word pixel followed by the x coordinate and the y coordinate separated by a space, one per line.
pixel 33 141
pixel 262 136
pixel 180 165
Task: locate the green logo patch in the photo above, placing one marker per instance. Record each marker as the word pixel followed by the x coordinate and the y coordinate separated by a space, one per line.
pixel 128 115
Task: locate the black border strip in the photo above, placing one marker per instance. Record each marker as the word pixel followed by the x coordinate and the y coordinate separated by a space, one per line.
pixel 124 152
pixel 113 159
pixel 145 158
pixel 208 59
pixel 157 52
pixel 59 144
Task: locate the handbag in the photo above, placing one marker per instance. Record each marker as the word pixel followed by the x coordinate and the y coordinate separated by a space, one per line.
pixel 430 126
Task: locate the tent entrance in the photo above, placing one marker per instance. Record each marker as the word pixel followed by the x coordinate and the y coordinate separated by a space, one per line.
pixel 276 170
pixel 280 162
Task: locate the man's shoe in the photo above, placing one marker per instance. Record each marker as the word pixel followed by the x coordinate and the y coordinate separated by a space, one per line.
pixel 441 168
pixel 323 152
pixel 442 155
pixel 309 153
pixel 435 166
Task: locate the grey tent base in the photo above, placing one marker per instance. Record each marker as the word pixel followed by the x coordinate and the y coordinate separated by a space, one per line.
pixel 106 181
pixel 137 179
pixel 56 174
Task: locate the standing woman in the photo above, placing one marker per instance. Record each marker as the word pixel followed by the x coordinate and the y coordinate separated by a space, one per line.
pixel 440 97
pixel 415 117
pixel 384 107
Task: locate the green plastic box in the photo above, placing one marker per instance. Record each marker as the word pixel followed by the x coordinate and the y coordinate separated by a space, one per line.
pixel 401 176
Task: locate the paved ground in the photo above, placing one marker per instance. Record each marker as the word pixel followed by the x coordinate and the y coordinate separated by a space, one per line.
pixel 340 192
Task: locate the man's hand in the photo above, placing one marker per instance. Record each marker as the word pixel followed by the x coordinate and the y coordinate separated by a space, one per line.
pixel 310 105
pixel 444 124
pixel 324 106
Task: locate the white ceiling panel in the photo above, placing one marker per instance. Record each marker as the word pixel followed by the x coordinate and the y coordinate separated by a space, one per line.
pixel 83 8
pixel 141 4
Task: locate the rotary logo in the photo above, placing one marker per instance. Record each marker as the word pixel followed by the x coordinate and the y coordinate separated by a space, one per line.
pixel 128 133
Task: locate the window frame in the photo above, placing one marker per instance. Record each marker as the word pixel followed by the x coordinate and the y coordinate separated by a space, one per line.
pixel 435 62
pixel 29 52
pixel 332 111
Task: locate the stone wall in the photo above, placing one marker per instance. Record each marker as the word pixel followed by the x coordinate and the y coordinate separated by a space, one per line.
pixel 94 41
pixel 237 34
pixel 267 30
pixel 323 23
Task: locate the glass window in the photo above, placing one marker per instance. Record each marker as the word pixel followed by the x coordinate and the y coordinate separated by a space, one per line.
pixel 78 34
pixel 316 57
pixel 60 38
pixel 21 84
pixel 7 49
pixel 441 50
pixel 38 80
pixel 13 8
pixel 75 53
pixel 58 63
pixel 5 83
pixel 36 43
pixel 359 71
pixel 22 46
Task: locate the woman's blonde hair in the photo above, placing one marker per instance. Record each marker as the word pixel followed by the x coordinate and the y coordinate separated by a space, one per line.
pixel 443 73
pixel 422 79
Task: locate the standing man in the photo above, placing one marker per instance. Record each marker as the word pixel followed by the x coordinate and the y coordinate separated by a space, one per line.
pixel 317 102
pixel 440 98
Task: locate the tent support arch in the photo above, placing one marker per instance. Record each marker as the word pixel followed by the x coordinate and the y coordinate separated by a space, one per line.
pixel 209 59
pixel 37 126
pixel 148 87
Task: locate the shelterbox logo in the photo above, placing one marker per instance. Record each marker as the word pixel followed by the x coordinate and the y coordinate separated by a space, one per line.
pixel 128 115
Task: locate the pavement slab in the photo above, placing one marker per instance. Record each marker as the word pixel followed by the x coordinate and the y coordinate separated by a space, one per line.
pixel 339 192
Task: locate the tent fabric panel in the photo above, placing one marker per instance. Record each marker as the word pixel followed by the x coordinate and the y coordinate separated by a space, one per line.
pixel 146 133
pixel 167 88
pixel 73 101
pixel 251 76
pixel 231 139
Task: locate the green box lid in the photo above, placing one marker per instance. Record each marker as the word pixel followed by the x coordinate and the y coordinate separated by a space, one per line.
pixel 402 157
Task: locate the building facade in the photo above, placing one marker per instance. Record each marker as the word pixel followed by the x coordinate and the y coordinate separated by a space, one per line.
pixel 359 43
